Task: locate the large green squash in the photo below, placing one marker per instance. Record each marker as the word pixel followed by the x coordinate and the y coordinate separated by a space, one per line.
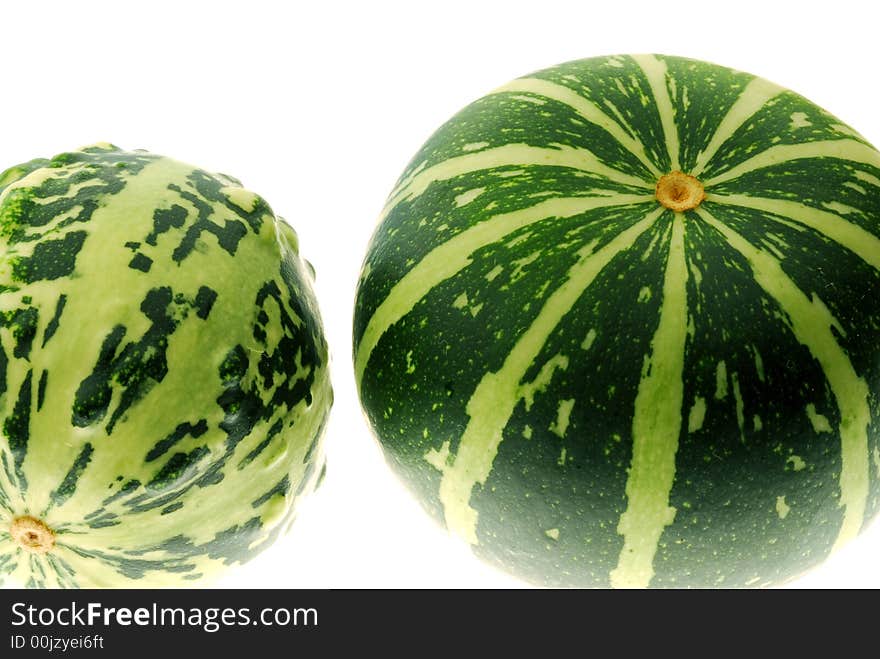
pixel 619 325
pixel 163 372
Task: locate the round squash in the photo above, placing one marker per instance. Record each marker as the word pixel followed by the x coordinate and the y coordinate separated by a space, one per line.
pixel 163 372
pixel 618 326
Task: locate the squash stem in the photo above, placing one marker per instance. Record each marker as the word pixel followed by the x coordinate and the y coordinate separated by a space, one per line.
pixel 679 191
pixel 32 534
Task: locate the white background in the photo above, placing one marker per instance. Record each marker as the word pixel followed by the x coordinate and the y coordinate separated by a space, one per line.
pixel 318 108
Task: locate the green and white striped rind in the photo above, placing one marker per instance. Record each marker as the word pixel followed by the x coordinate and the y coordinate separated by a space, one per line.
pixel 594 390
pixel 163 371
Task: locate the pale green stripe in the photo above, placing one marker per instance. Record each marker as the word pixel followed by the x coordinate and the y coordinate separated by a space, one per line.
pixel 509 155
pixel 656 73
pixel 844 149
pixel 851 236
pixel 656 426
pixel 811 322
pixel 495 398
pixel 755 95
pixel 450 257
pixel 585 108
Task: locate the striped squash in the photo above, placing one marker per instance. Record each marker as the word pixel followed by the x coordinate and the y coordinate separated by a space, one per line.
pixel 163 372
pixel 618 326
